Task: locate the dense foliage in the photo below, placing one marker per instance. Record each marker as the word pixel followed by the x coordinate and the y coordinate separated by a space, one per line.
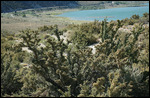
pixel 119 68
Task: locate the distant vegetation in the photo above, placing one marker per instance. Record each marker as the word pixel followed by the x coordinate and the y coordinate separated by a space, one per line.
pixel 55 68
pixel 9 6
pixel 20 20
pixel 87 5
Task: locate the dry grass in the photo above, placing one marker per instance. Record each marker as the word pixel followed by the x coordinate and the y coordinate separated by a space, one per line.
pixel 12 23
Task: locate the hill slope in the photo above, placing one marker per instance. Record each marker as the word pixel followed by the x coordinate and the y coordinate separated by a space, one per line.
pixel 9 6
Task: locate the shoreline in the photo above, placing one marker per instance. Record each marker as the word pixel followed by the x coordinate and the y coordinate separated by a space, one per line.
pixel 48 17
pixel 88 18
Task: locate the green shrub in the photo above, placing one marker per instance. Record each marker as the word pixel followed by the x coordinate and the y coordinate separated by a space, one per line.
pixel 119 68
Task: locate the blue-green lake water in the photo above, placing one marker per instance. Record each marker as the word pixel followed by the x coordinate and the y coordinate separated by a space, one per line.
pixel 111 14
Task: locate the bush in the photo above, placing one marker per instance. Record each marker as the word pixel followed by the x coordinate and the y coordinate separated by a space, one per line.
pixel 135 17
pixel 145 14
pixel 131 22
pixel 24 15
pixel 119 68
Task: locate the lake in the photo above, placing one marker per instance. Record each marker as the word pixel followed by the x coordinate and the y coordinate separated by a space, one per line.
pixel 111 14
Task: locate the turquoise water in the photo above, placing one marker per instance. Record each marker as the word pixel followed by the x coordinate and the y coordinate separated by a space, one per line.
pixel 111 14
